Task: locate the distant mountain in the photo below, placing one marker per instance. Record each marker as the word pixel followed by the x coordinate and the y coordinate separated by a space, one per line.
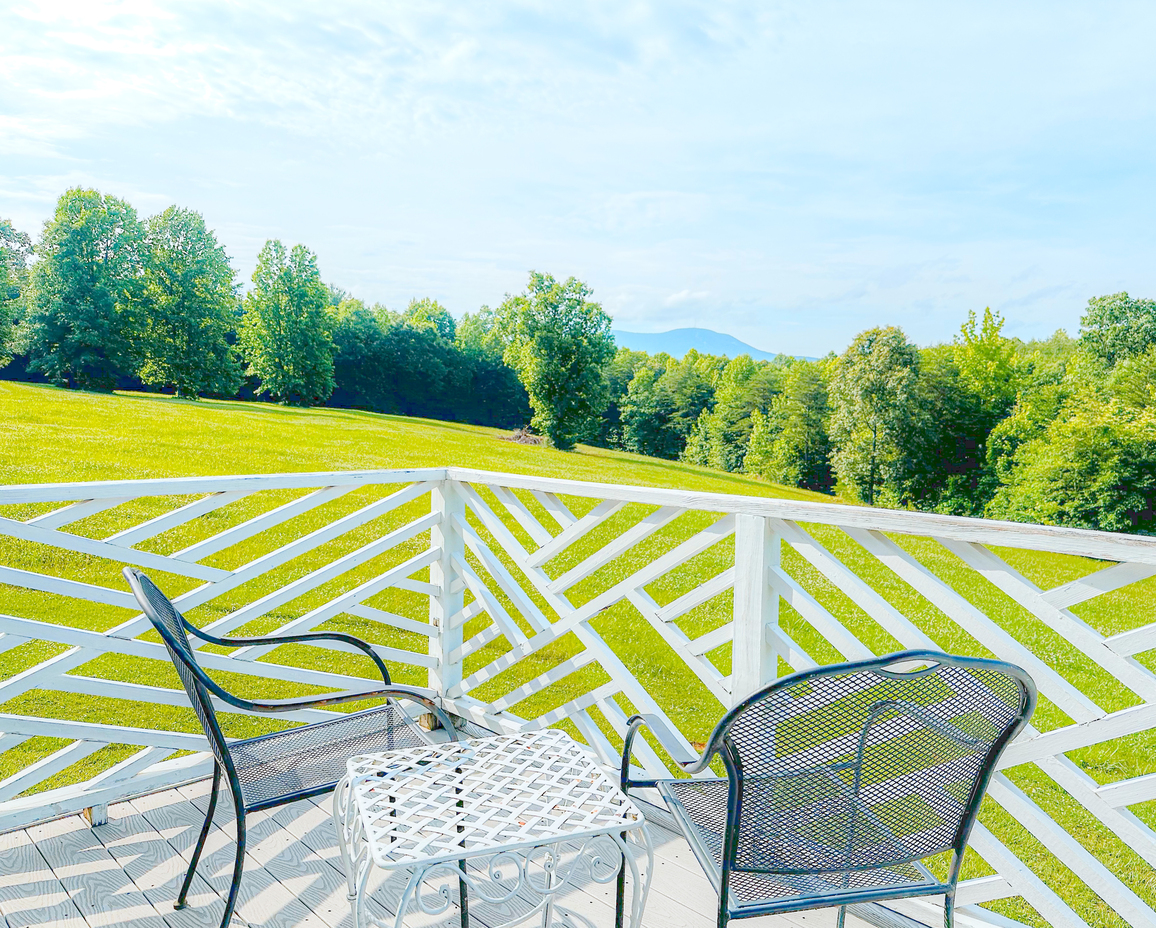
pixel 678 342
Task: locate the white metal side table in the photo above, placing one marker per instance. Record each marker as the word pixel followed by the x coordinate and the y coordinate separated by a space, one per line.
pixel 531 813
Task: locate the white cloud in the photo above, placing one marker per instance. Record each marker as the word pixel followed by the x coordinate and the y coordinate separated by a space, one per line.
pixel 686 296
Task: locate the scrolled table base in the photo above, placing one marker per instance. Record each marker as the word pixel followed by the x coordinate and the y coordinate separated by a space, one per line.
pixel 526 880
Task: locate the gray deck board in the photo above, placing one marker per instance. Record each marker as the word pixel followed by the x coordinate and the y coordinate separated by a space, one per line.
pixel 30 893
pixel 64 874
pixel 103 893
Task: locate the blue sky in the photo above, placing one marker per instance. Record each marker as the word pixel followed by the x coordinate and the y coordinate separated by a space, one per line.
pixel 788 173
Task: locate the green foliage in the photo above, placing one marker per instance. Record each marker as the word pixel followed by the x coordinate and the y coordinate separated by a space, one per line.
pixel 387 364
pixel 15 252
pixel 790 444
pixel 1093 466
pixel 359 353
pixel 619 373
pixel 988 364
pixel 430 316
pixel 78 326
pixel 691 384
pixel 477 333
pixel 658 400
pixel 648 413
pixel 285 330
pixel 722 434
pixel 1133 381
pixel 558 342
pixel 188 309
pixel 874 400
pixel 1029 420
pixel 1117 326
pixel 982 425
pixel 943 465
pixel 1047 360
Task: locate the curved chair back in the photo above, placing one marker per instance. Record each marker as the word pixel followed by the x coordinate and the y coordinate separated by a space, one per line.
pixel 172 628
pixel 858 766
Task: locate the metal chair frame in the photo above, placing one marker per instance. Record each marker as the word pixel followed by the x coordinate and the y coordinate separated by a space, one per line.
pixel 865 901
pixel 200 686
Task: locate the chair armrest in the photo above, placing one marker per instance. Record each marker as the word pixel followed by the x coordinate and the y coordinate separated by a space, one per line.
pixel 395 691
pixel 358 643
pixel 666 738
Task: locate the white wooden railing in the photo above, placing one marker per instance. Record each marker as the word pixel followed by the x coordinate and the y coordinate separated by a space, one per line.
pixel 528 601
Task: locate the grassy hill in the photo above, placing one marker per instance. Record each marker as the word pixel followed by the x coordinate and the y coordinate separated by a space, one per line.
pixel 53 435
pixel 50 435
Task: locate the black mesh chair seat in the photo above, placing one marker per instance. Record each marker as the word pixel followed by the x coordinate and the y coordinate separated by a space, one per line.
pixel 311 759
pixel 842 783
pixel 700 806
pixel 284 766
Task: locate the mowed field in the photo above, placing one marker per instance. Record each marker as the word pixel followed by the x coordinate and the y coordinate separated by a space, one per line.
pixel 50 435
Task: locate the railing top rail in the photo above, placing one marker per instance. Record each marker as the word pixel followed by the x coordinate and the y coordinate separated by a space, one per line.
pixel 1082 542
pixel 1109 546
pixel 14 494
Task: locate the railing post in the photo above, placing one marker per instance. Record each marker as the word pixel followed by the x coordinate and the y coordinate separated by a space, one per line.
pixel 754 662
pixel 446 603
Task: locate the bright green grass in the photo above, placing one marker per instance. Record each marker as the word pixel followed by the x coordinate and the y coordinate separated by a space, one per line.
pixel 48 435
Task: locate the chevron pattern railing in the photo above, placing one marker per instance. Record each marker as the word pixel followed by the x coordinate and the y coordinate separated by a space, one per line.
pixel 526 602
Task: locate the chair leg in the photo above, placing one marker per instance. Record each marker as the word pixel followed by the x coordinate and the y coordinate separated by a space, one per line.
pixel 620 896
pixel 463 895
pixel 842 919
pixel 231 901
pixel 181 903
pixel 949 910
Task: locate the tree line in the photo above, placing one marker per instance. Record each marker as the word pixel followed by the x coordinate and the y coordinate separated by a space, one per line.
pixel 1059 430
pixel 107 300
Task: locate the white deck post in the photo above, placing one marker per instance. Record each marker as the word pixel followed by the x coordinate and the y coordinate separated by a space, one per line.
pixel 446 499
pixel 756 607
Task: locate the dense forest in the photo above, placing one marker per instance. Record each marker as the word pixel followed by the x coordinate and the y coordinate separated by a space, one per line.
pixel 1059 431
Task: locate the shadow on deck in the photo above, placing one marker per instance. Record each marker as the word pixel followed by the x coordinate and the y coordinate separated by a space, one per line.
pixel 66 874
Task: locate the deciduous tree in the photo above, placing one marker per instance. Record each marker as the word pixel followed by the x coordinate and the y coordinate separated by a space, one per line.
pixel 85 290
pixel 721 436
pixel 1117 327
pixel 648 412
pixel 558 341
pixel 1094 466
pixel 15 251
pixel 874 402
pixel 431 316
pixel 790 444
pixel 285 330
pixel 188 308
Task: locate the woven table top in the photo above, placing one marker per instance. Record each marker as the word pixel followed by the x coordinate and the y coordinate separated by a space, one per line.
pixel 445 802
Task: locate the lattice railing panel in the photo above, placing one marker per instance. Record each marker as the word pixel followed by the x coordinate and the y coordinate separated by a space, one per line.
pixel 286 552
pixel 529 602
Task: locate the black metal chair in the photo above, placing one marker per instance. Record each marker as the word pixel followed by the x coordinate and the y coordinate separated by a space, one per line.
pixel 282 767
pixel 843 780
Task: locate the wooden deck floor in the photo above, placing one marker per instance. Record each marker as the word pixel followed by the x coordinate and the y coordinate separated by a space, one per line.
pixel 66 874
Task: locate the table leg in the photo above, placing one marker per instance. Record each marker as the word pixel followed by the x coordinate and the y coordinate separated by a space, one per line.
pixel 344 826
pixel 551 865
pixel 415 879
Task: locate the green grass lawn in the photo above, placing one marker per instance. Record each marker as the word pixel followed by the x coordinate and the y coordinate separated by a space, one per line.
pixel 49 435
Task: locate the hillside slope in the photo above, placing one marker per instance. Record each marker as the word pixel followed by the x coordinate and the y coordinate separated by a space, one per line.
pixel 53 435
